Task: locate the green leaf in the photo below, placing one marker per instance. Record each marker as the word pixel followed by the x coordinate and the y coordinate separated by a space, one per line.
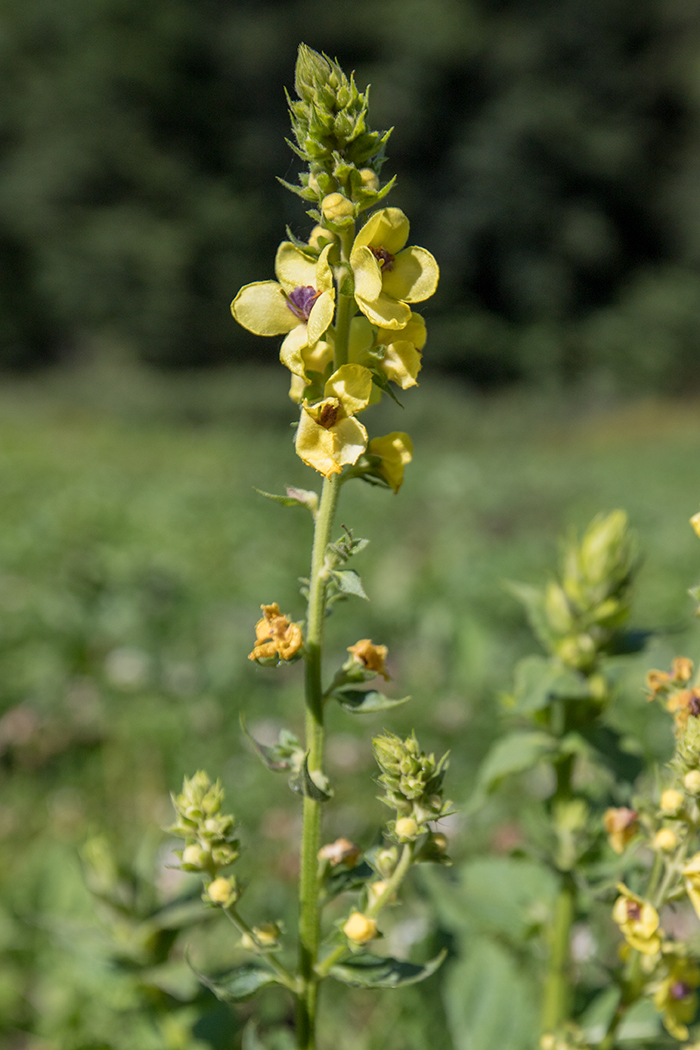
pixel 489 1004
pixel 294 498
pixel 538 681
pixel 349 582
pixel 372 971
pixel 303 784
pixel 533 600
pixel 342 880
pixel 277 757
pixel 239 984
pixel 513 753
pixel 364 702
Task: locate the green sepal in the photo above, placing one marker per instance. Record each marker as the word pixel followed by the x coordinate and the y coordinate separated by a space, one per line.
pixel 381 381
pixel 303 246
pixel 365 702
pixel 372 971
pixel 294 498
pixel 305 192
pixel 303 784
pixel 237 985
pixel 348 582
pixel 348 286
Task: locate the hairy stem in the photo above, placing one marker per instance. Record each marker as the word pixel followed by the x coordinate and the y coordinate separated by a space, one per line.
pixel 309 912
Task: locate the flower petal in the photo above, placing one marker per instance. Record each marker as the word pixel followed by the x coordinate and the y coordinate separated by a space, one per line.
pixel 361 338
pixel 321 316
pixel 415 332
pixel 401 362
pixel 324 274
pixel 367 273
pixel 315 445
pixel 352 385
pixel 414 276
pixel 293 269
pixel 385 312
pixel 261 308
pixel 351 441
pixel 387 228
pixel 395 451
pixel 292 346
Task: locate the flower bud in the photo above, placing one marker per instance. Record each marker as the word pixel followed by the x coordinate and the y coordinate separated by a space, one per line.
pixel 406 829
pixel 386 861
pixel 336 207
pixel 671 801
pixel 370 180
pixel 439 841
pixel 359 928
pixel 665 839
pixel 194 858
pixel 222 891
pixel 691 782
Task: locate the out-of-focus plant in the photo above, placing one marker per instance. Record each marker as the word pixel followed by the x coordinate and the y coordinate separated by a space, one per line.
pixel 343 300
pixel 612 845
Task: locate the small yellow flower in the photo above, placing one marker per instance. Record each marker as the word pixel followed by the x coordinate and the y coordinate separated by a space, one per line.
pixel 621 827
pixel 275 635
pixel 370 656
pixel 691 782
pixel 695 522
pixel 395 451
pixel 298 305
pixel 671 801
pixel 359 928
pixel 675 996
pixel 657 682
pixel 691 875
pixel 264 936
pixel 638 921
pixel 682 705
pixel 389 276
pixel 665 840
pixel 342 851
pixel 328 436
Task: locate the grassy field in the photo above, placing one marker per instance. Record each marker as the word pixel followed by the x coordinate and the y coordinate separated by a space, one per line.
pixel 134 555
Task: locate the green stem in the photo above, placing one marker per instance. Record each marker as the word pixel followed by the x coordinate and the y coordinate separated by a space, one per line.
pixel 392 884
pixel 286 978
pixel 555 1004
pixel 309 910
pixel 557 987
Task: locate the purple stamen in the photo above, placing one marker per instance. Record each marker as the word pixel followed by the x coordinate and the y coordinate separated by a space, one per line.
pixel 301 299
pixel 679 990
pixel 384 258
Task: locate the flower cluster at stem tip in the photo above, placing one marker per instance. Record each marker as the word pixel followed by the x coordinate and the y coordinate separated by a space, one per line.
pixel 210 846
pixel 343 300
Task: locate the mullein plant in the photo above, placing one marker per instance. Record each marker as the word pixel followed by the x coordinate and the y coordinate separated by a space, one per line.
pixel 622 842
pixel 343 302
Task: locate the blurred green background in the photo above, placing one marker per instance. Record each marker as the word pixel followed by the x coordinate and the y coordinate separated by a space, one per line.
pixel 547 153
pixel 547 150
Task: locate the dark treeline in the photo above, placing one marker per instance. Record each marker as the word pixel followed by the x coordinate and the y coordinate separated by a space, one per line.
pixel 547 151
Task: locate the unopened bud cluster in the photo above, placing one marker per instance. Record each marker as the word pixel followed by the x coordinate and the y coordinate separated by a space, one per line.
pixel 329 122
pixel 412 782
pixel 210 845
pixel 578 616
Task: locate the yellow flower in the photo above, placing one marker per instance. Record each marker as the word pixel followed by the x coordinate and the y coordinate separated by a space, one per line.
pixel 342 851
pixel 275 635
pixel 394 450
pixel 691 874
pixel 402 359
pixel 621 827
pixel 328 436
pixel 691 782
pixel 222 891
pixel 359 928
pixel 638 921
pixel 665 840
pixel 695 522
pixel 675 996
pixel 387 275
pixel 370 656
pixel 299 304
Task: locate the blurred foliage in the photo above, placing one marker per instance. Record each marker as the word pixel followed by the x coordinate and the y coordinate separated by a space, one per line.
pixel 547 150
pixel 134 557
